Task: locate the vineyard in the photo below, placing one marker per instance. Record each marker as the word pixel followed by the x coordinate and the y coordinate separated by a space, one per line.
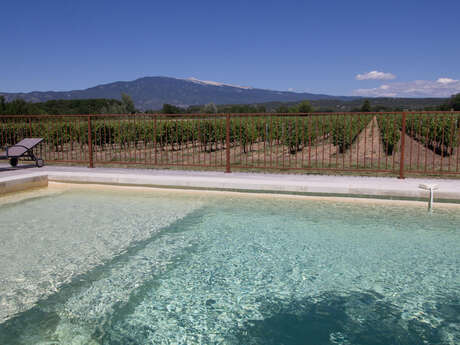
pixel 329 141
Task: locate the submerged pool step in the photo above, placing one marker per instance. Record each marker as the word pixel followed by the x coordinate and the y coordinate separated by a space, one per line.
pixel 79 308
pixel 122 281
pixel 67 235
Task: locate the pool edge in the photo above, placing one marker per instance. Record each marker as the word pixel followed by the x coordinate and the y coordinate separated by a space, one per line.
pixel 283 186
pixel 12 184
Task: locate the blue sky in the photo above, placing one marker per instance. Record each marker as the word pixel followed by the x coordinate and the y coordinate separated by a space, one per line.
pixel 318 46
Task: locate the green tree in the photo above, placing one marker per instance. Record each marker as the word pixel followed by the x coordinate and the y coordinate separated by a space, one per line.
pixel 261 109
pixel 282 109
pixel 210 108
pixel 62 107
pixel 305 107
pixel 171 109
pixel 2 104
pixel 21 107
pixel 454 102
pixel 366 107
pixel 128 103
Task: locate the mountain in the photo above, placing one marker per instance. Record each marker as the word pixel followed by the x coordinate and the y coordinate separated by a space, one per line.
pixel 153 92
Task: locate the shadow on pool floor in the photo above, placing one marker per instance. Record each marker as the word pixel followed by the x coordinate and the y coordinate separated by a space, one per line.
pixel 356 318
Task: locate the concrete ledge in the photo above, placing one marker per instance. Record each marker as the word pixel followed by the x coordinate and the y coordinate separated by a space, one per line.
pixel 18 183
pixel 372 187
pixel 364 187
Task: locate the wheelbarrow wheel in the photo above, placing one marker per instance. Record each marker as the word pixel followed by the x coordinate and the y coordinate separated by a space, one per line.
pixel 39 163
pixel 13 161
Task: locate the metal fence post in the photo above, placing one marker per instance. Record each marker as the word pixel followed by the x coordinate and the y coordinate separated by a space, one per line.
pixel 403 144
pixel 227 145
pixel 90 144
pixel 155 139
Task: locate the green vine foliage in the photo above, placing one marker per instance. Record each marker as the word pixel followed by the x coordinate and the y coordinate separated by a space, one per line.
pixel 438 132
pixel 345 129
pixel 390 132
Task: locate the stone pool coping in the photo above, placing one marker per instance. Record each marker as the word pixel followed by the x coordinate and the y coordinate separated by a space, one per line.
pixel 22 182
pixel 12 180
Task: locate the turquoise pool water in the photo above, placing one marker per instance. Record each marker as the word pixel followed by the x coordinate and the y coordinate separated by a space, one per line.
pixel 121 267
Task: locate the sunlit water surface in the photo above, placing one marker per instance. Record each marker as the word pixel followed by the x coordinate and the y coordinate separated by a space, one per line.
pixel 152 267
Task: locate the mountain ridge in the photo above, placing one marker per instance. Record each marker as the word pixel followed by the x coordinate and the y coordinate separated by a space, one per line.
pixel 153 92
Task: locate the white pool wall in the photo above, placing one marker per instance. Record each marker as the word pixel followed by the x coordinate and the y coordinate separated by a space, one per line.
pixel 373 187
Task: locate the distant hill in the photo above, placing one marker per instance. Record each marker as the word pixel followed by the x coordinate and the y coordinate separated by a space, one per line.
pixel 153 92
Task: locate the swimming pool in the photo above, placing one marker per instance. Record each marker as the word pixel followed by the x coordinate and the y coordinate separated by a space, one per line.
pixel 138 266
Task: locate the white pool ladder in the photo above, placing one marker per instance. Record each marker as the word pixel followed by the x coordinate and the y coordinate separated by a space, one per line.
pixel 431 188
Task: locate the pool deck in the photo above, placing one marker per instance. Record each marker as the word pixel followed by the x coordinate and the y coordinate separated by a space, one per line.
pixel 373 187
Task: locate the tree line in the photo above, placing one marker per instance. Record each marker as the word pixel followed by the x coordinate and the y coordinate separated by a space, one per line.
pixel 64 107
pixel 126 106
pixel 453 103
pixel 211 108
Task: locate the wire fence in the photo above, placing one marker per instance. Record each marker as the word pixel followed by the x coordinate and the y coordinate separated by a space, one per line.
pixel 397 143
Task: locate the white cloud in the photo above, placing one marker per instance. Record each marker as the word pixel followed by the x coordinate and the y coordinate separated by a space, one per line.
pixel 291 89
pixel 446 80
pixel 442 87
pixel 375 75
